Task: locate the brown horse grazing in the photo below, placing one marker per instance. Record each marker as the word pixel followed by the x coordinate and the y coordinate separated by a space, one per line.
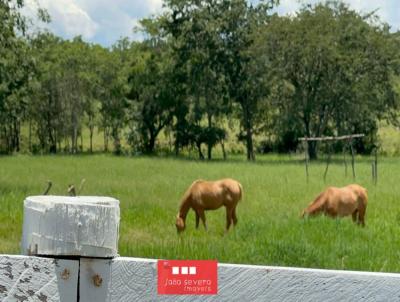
pixel 334 202
pixel 210 195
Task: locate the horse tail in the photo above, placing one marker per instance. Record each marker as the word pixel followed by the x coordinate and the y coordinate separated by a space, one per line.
pixel 362 205
pixel 240 191
pixel 366 196
pixel 363 198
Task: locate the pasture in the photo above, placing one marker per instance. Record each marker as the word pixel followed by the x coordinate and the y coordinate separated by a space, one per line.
pixel 269 230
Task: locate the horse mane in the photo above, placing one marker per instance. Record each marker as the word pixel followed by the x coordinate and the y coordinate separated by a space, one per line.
pixel 185 201
pixel 186 197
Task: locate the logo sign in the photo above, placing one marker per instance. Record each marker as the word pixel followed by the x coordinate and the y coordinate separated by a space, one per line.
pixel 187 277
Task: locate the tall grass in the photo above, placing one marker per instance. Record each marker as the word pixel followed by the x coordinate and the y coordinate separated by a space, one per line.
pixel 269 231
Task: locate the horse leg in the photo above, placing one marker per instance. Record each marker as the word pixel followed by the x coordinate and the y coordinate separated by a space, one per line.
pixel 202 217
pixel 361 215
pixel 354 215
pixel 228 218
pixel 234 218
pixel 197 220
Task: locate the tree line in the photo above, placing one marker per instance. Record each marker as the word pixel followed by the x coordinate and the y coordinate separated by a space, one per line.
pixel 326 70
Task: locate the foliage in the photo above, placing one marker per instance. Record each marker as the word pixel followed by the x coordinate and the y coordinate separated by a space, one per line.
pixel 152 100
pixel 332 72
pixel 202 67
pixel 16 70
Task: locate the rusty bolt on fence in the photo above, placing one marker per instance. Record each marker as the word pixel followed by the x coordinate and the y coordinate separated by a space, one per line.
pixel 65 274
pixel 97 280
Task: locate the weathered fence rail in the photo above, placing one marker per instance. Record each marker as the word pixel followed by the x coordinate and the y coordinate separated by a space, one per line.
pixel 71 232
pixel 25 278
pixel 29 278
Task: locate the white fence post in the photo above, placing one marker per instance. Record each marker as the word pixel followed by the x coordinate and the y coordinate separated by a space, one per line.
pixel 84 226
pixel 61 230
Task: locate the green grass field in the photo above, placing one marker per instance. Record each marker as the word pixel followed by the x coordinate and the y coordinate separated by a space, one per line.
pixel 269 231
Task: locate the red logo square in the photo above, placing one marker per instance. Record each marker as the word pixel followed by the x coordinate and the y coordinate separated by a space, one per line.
pixel 187 277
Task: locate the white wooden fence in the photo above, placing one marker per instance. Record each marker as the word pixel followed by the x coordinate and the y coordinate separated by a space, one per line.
pixel 28 278
pixel 88 279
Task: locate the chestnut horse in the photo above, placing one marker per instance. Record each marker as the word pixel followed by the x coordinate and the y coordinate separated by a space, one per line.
pixel 340 202
pixel 210 195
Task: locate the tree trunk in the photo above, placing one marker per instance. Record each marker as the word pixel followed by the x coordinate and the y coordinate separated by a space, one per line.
pixel 30 136
pixel 201 156
pixel 52 142
pixel 105 139
pixel 9 139
pixel 67 147
pixel 5 139
pixel 176 147
pixel 169 141
pixel 56 140
pixel 53 147
pixel 117 141
pixel 311 145
pixel 249 143
pixel 312 150
pixel 209 144
pixel 16 135
pixel 91 130
pixel 178 136
pixel 223 149
pixel 74 140
pixel 151 143
pixel 81 135
pixel 247 122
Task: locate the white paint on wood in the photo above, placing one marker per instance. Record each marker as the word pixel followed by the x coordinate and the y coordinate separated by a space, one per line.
pixel 124 279
pixel 63 225
pixel 38 279
pixel 132 279
pixel 95 279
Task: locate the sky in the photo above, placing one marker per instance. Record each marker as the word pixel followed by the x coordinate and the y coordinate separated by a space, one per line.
pixel 105 21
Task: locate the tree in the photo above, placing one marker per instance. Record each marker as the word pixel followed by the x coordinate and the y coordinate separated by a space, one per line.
pixel 246 82
pixel 114 79
pixel 211 42
pixel 332 71
pixel 65 91
pixel 16 71
pixel 206 83
pixel 46 108
pixel 149 91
